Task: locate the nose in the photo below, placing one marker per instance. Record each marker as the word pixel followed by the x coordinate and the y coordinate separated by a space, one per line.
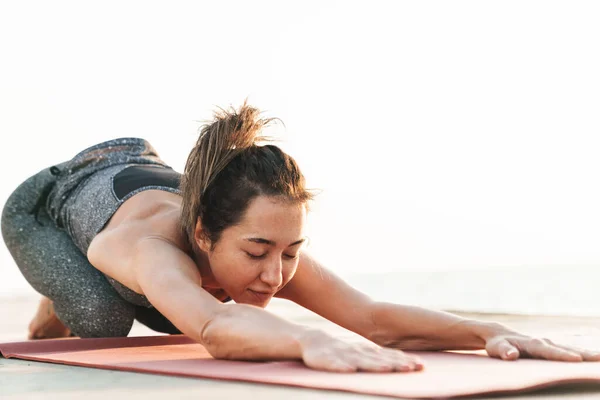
pixel 272 273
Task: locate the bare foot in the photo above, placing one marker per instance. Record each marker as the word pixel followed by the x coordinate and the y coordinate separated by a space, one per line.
pixel 45 323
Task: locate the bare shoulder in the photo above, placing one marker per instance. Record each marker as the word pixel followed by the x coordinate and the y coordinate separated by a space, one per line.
pixel 151 214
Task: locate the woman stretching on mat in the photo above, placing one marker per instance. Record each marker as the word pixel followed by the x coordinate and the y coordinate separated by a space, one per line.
pixel 114 235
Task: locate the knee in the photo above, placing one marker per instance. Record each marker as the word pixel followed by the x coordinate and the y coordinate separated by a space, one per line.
pixel 95 318
pixel 10 226
pixel 7 219
pixel 17 211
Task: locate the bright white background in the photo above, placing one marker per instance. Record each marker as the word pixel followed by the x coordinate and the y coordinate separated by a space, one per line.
pixel 444 135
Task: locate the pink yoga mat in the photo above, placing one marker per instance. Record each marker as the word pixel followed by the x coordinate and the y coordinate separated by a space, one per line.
pixel 446 374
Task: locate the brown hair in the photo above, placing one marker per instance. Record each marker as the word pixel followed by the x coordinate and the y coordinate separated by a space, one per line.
pixel 226 170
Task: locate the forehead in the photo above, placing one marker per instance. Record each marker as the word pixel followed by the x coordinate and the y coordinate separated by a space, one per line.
pixel 272 216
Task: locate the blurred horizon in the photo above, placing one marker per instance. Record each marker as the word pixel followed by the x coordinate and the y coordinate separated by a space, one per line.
pixel 445 136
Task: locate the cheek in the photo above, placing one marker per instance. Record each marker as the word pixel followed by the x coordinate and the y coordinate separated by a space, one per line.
pixel 289 272
pixel 232 268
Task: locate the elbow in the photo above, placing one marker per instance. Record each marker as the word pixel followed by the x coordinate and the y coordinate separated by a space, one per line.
pixel 220 334
pixel 210 332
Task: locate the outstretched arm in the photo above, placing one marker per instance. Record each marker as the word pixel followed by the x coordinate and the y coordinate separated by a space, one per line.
pixel 171 281
pixel 409 327
pixel 244 332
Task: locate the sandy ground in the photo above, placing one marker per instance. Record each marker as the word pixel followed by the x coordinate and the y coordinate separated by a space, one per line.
pixel 31 380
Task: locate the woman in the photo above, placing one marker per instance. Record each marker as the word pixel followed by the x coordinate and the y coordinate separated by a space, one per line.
pixel 115 235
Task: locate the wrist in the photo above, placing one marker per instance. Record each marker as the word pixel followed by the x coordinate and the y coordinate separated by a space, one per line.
pixel 308 337
pixel 487 330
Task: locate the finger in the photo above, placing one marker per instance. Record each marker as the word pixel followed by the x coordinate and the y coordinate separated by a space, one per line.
pixel 419 365
pixel 542 348
pixel 384 360
pixel 503 349
pixel 339 366
pixel 587 355
pixel 400 354
pixel 371 363
pixel 379 361
pixel 400 358
pixel 330 364
pixel 402 362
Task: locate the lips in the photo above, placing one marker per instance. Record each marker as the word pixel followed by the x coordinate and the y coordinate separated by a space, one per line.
pixel 261 296
pixel 256 291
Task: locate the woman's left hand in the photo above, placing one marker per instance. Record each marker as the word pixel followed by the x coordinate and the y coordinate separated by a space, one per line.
pixel 511 346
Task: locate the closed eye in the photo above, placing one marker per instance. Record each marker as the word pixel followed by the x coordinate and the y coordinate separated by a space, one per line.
pixel 261 256
pixel 256 256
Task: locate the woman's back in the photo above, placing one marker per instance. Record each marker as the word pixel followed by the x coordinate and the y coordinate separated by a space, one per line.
pixel 83 197
pixel 148 214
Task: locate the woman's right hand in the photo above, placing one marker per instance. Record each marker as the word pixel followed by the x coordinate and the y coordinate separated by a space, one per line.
pixel 326 353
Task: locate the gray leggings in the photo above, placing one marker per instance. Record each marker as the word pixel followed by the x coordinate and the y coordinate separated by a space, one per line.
pixel 84 299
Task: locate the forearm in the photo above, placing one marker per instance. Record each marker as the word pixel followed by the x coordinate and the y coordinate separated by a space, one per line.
pixel 416 328
pixel 245 332
pixel 235 331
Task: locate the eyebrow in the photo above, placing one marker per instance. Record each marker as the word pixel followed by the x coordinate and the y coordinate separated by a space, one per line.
pixel 272 243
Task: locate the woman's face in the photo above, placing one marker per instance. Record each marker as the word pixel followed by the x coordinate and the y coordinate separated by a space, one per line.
pixel 257 257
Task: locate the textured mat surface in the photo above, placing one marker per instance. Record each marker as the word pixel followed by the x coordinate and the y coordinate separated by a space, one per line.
pixel 445 375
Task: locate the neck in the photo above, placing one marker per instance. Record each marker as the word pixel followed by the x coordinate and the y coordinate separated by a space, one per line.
pixel 202 262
